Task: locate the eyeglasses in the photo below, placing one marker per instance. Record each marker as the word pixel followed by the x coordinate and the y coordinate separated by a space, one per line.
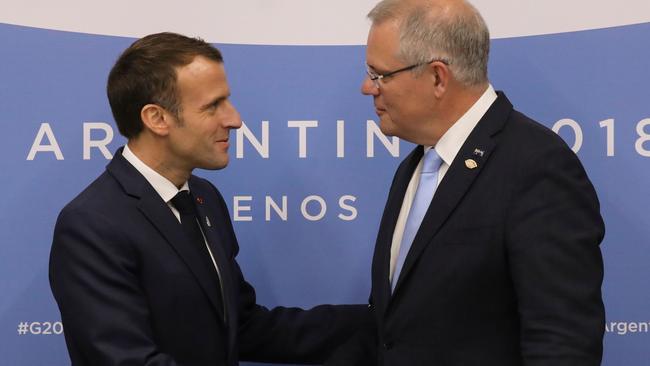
pixel 375 77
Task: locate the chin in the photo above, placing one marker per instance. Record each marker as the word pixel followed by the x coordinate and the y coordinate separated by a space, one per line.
pixel 386 129
pixel 220 166
pixel 215 165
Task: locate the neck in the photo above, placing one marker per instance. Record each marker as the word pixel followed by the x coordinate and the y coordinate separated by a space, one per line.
pixel 155 157
pixel 455 104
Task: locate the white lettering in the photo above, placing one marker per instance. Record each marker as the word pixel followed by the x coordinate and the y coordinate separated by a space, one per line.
pixel 340 139
pixel 623 328
pixel 373 130
pixel 35 328
pixel 100 144
pixel 576 130
pixel 345 206
pixel 281 212
pixel 53 145
pixel 261 147
pixel 609 124
pixel 239 208
pixel 302 135
pixel 643 137
pixel 320 214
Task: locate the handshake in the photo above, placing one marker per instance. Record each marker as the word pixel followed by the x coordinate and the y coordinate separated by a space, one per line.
pixel 487 252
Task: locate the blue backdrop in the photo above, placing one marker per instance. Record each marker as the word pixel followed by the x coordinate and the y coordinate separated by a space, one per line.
pixel 592 86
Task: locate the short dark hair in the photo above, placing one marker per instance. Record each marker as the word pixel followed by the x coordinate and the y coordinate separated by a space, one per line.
pixel 146 73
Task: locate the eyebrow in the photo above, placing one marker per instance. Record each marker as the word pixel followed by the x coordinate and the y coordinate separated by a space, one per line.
pixel 215 102
pixel 376 70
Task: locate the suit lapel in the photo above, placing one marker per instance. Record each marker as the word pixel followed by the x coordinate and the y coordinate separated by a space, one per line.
pixel 161 217
pixel 387 227
pixel 458 179
pixel 214 226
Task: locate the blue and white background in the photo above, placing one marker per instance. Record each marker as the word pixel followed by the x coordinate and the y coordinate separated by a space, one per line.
pixel 310 171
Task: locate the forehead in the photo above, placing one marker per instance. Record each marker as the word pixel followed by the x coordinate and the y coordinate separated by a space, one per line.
pixel 383 44
pixel 202 79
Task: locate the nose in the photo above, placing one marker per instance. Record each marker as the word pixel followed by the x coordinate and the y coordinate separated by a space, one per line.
pixel 234 119
pixel 368 87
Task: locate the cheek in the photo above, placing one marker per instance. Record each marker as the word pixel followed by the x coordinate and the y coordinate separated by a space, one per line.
pixel 218 123
pixel 209 130
pixel 410 105
pixel 394 101
pixel 395 108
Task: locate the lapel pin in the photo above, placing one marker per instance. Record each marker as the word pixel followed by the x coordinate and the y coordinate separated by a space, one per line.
pixel 479 152
pixel 471 164
pixel 199 200
pixel 207 222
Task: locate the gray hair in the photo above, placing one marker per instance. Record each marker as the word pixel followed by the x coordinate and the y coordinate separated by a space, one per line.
pixel 460 38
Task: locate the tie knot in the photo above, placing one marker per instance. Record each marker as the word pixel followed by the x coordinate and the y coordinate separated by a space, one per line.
pixel 431 161
pixel 184 202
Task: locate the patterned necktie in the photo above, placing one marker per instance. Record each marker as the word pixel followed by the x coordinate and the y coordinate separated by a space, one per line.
pixel 423 196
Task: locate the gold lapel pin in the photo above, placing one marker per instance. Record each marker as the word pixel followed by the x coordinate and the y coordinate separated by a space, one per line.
pixel 471 164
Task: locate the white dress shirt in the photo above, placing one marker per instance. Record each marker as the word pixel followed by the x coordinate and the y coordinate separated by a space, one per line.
pixel 167 190
pixel 447 148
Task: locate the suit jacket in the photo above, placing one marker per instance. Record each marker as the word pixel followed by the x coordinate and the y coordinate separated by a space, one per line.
pixel 505 269
pixel 133 292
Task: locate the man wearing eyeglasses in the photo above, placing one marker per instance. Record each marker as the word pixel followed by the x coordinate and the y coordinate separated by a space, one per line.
pixel 488 248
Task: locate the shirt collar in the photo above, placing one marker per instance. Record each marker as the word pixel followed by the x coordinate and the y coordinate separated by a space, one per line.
pixel 451 142
pixel 165 188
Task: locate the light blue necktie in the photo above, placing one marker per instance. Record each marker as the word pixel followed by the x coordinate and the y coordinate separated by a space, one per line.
pixel 423 196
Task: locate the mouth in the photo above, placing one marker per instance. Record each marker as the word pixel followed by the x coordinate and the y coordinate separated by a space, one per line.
pixel 224 142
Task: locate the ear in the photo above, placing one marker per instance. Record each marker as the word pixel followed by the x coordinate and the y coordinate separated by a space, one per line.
pixel 155 119
pixel 441 77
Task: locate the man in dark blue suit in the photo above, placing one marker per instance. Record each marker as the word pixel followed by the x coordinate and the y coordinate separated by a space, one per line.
pixel 143 261
pixel 488 249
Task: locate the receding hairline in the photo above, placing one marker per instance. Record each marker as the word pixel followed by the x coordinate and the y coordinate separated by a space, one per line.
pixel 398 10
pixel 447 29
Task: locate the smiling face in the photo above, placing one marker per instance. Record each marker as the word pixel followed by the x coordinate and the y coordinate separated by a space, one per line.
pixel 404 102
pixel 199 138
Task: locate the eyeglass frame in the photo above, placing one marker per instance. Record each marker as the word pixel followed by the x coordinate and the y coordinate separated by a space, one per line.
pixel 375 77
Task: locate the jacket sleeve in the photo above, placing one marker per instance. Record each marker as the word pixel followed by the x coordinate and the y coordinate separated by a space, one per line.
pixel 93 276
pixel 288 334
pixel 294 335
pixel 359 350
pixel 554 229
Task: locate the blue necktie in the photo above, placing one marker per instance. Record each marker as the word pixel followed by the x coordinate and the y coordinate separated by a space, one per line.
pixel 423 196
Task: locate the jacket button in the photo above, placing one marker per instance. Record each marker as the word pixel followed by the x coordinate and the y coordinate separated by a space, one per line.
pixel 388 345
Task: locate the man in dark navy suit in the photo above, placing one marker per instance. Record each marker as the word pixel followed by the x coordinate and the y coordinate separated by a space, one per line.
pixel 143 261
pixel 488 249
